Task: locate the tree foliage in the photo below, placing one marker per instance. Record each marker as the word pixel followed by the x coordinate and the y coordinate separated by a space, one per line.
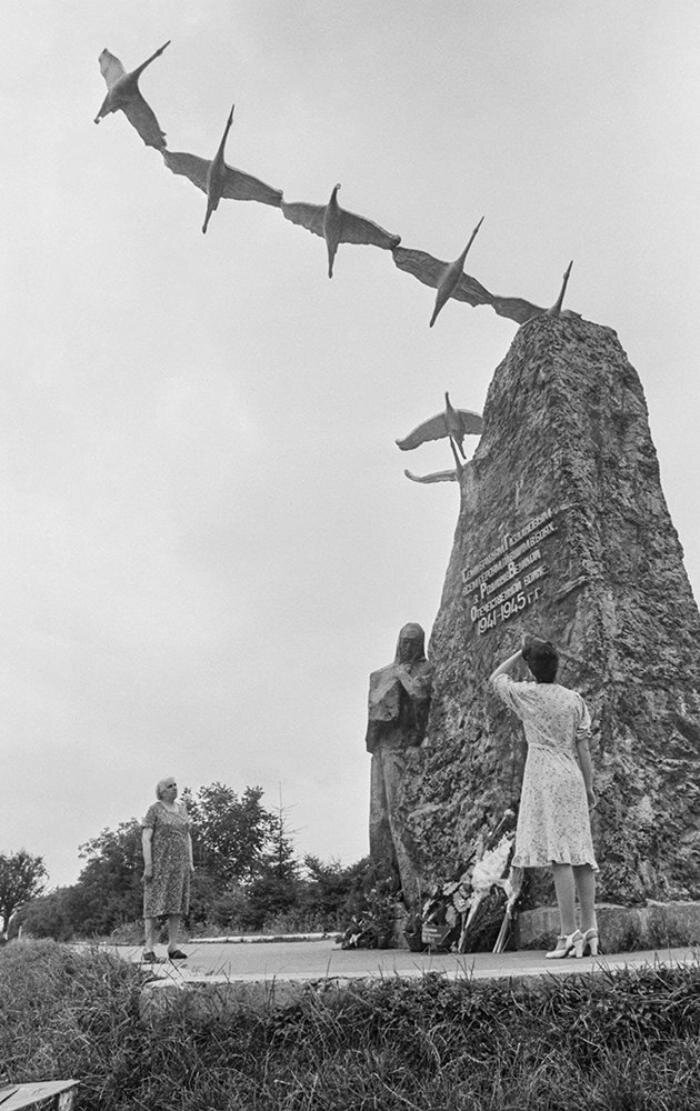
pixel 109 885
pixel 231 835
pixel 58 915
pixel 21 878
pixel 333 893
pixel 246 875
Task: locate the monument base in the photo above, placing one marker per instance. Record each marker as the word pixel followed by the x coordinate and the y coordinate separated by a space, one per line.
pixel 621 929
pixel 407 932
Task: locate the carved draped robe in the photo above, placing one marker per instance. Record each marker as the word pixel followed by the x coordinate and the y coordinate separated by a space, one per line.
pixel 396 721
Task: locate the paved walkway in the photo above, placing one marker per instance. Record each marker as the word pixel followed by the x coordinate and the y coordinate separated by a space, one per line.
pixel 318 960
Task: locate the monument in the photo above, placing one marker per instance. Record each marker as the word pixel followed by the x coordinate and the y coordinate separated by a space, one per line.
pixel 398 707
pixel 563 531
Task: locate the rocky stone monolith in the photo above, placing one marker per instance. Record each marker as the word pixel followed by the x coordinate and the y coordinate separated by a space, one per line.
pixel 564 532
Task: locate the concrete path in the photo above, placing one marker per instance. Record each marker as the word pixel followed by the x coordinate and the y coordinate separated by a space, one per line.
pixel 319 960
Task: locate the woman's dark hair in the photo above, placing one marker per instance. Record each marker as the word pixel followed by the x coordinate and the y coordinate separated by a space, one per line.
pixel 541 657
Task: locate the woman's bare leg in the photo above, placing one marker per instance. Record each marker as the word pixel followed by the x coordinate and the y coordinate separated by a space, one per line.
pixel 566 897
pixel 584 878
pixel 173 931
pixel 150 931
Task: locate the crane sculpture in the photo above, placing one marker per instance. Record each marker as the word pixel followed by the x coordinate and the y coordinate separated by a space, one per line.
pixel 332 223
pixel 436 476
pixel 336 225
pixel 453 424
pixel 447 277
pixel 218 180
pixel 124 95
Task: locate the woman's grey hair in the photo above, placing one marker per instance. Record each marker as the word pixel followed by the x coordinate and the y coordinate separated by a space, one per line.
pixel 160 786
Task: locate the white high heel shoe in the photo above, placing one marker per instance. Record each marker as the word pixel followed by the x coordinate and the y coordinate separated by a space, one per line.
pixel 571 943
pixel 590 942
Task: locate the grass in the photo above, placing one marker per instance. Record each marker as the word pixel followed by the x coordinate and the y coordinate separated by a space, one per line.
pixel 625 1041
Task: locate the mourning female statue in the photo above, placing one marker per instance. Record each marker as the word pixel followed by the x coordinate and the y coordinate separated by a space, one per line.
pixel 399 702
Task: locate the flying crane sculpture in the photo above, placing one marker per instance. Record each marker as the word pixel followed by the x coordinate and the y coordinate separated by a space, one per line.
pixel 429 270
pixel 451 475
pixel 336 225
pixel 331 222
pixel 124 95
pixel 218 180
pixel 453 424
pixel 515 308
pixel 556 307
pixel 447 277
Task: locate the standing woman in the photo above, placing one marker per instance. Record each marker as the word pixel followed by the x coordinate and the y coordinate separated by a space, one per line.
pixel 554 828
pixel 167 866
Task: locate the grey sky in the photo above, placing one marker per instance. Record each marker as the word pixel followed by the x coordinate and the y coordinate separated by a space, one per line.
pixel 207 538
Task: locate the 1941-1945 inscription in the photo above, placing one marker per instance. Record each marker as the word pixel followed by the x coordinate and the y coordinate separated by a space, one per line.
pixel 507 580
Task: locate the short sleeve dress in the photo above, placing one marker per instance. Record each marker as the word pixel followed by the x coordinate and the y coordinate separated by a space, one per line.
pixel 554 825
pixel 169 890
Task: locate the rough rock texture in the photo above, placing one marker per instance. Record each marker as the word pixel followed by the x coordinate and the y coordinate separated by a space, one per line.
pixel 621 929
pixel 564 489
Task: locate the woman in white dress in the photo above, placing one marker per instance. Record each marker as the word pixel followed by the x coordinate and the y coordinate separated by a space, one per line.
pixel 554 828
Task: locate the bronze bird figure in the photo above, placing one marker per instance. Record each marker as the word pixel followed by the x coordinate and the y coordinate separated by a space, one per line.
pixel 556 307
pixel 429 271
pixel 436 476
pixel 523 311
pixel 336 225
pixel 124 94
pixel 217 179
pixel 515 308
pixel 450 277
pixel 452 423
pixel 447 277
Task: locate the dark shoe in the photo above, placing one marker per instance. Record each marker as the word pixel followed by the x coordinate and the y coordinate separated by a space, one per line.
pixel 149 957
pixel 177 955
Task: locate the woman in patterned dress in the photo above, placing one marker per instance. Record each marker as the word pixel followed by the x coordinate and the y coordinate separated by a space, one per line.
pixel 167 866
pixel 554 828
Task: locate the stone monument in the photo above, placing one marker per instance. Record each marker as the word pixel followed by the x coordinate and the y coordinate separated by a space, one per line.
pixel 563 531
pixel 398 707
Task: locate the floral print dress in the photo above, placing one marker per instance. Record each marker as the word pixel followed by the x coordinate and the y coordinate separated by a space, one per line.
pixel 553 821
pixel 169 890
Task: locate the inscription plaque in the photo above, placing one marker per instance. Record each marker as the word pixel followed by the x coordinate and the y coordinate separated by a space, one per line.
pixel 507 580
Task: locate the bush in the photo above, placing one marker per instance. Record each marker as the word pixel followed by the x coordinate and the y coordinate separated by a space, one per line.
pixel 50 915
pixel 129 933
pixel 332 894
pixel 229 910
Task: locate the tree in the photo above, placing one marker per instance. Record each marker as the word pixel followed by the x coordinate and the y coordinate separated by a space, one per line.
pixel 276 890
pixel 231 835
pixel 237 843
pixel 109 889
pixel 332 893
pixel 21 878
pixel 56 915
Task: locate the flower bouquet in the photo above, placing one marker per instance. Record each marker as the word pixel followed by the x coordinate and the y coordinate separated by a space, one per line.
pixel 490 875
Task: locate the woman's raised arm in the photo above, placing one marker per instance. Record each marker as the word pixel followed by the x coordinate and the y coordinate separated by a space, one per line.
pixel 505 667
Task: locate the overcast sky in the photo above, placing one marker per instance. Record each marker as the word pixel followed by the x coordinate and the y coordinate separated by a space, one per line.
pixel 207 538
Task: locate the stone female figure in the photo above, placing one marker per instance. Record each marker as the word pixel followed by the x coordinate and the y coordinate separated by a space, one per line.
pixel 399 703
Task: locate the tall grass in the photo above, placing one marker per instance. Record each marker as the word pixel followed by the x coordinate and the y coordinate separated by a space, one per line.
pixel 627 1041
